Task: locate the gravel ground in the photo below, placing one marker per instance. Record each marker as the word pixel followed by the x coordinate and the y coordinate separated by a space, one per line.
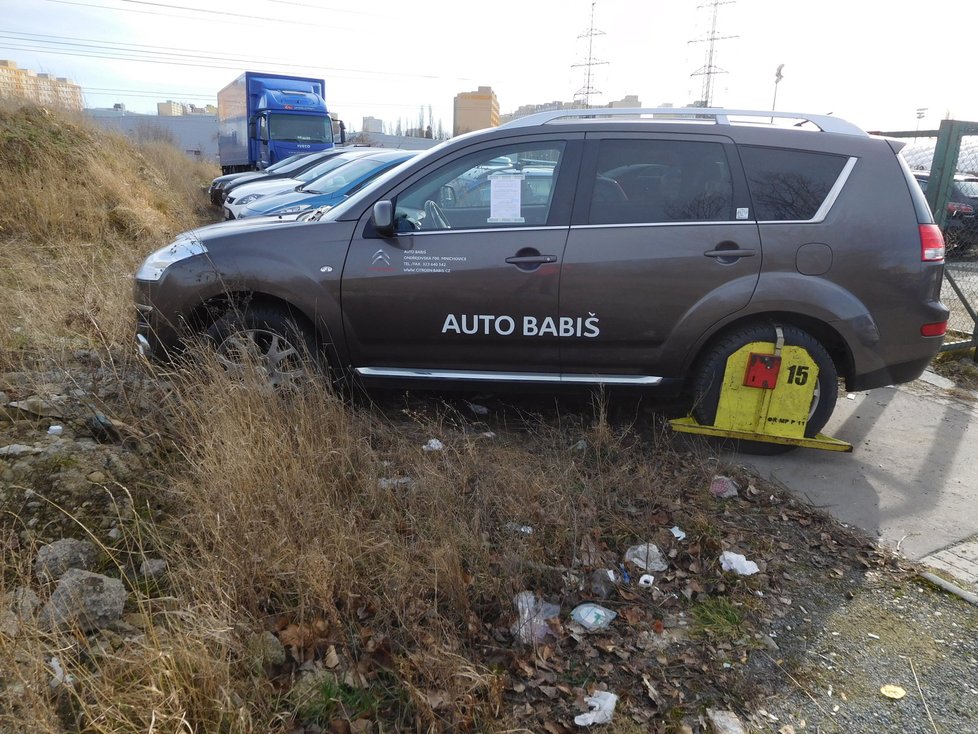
pixel 883 632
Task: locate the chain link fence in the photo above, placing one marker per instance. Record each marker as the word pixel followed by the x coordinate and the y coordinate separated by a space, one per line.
pixel 945 164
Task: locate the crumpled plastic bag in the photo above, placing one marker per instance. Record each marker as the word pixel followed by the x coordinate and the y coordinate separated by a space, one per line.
pixel 593 616
pixel 738 564
pixel 646 557
pixel 533 614
pixel 602 705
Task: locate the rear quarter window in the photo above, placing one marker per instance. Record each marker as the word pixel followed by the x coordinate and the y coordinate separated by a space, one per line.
pixel 789 185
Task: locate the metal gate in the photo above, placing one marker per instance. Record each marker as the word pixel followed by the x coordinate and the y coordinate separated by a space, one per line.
pixel 943 161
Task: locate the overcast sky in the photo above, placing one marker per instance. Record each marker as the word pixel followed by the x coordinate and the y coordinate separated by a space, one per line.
pixel 864 61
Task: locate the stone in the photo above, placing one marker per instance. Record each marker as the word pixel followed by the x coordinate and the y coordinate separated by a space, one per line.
pixel 153 568
pixel 725 722
pixel 96 477
pixel 55 559
pixel 85 600
pixel 267 649
pixel 17 607
pixel 37 407
pixel 18 449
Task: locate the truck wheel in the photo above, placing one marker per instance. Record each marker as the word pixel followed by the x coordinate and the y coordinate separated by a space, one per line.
pixel 265 341
pixel 708 379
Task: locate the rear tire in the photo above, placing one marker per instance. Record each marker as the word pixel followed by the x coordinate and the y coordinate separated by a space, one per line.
pixel 708 380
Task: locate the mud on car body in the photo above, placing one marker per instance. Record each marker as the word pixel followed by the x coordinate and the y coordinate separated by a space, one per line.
pixel 618 250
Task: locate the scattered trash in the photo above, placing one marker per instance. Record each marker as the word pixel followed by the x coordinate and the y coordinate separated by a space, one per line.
pixel 60 677
pixel 646 579
pixel 603 582
pixel 521 529
pixel 103 428
pixel 738 564
pixel 478 409
pixel 677 533
pixel 433 445
pixel 592 616
pixel 56 430
pixel 532 624
pixel 602 705
pixel 487 434
pixel 646 557
pixel 871 636
pixel 723 487
pixel 894 692
pixel 850 396
pixel 580 446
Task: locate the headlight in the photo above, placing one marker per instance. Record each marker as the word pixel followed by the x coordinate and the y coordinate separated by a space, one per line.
pixel 154 265
pixel 292 209
pixel 248 199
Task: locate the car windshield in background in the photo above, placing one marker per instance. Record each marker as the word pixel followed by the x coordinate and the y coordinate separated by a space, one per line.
pixel 287 164
pixel 300 128
pixel 330 164
pixel 345 175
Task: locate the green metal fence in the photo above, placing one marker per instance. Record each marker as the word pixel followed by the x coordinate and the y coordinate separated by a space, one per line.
pixel 942 160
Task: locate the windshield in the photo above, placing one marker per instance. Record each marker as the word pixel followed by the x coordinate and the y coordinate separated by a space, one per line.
pixel 286 164
pixel 300 128
pixel 328 165
pixel 969 188
pixel 344 176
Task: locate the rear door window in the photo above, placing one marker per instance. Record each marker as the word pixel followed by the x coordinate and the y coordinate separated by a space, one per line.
pixel 644 181
pixel 789 185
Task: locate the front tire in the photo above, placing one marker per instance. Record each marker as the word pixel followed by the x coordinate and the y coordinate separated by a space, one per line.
pixel 266 341
pixel 708 379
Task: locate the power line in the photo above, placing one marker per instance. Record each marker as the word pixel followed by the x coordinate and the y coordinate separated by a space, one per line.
pixel 86 50
pixel 222 14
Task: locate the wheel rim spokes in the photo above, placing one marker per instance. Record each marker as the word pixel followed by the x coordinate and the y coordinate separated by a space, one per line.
pixel 279 362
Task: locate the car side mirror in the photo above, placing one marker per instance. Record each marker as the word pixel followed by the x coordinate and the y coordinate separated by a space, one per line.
pixel 383 216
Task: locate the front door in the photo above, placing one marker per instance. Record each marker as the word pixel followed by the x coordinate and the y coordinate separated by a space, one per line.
pixel 470 280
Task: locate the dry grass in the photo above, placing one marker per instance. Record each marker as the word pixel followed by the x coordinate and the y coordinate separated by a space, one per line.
pixel 84 206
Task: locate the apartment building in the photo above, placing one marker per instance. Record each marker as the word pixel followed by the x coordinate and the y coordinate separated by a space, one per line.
pixel 42 88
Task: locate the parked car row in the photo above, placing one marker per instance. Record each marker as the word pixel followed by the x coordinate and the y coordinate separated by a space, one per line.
pixel 302 182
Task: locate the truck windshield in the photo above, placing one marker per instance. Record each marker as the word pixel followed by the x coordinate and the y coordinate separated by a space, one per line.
pixel 300 128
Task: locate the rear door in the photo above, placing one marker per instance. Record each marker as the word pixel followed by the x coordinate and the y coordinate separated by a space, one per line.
pixel 469 281
pixel 662 245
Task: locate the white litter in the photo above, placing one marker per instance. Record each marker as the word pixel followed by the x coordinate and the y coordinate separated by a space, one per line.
pixel 60 677
pixel 478 409
pixel 433 445
pixel 592 616
pixel 646 579
pixel 677 533
pixel 533 615
pixel 646 557
pixel 602 705
pixel 56 430
pixel 723 487
pixel 738 564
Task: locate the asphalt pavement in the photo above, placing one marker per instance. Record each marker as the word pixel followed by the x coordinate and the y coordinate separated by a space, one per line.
pixel 912 478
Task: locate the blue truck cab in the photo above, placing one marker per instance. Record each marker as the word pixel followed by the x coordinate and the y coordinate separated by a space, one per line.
pixel 264 118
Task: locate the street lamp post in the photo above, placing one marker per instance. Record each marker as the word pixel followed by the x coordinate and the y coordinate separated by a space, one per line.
pixel 921 113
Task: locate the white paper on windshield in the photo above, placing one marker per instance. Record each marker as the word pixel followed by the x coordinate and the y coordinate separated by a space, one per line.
pixel 505 192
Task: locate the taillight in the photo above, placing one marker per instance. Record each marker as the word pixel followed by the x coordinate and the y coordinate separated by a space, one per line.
pixel 931 243
pixel 938 328
pixel 954 207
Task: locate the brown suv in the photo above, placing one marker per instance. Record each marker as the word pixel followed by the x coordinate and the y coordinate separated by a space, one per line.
pixel 567 248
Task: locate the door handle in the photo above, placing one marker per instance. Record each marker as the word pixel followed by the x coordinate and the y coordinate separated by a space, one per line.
pixel 731 253
pixel 531 259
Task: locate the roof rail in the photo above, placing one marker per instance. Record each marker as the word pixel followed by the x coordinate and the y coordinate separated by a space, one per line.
pixel 825 123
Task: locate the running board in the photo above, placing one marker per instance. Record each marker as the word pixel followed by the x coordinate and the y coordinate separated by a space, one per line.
pixel 523 377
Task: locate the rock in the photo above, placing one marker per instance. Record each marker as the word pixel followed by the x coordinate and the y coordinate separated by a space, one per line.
pixel 603 582
pixel 267 649
pixel 153 568
pixel 55 559
pixel 433 445
pixel 18 449
pixel 38 407
pixel 387 484
pixel 85 600
pixel 17 607
pixel 96 477
pixel 725 722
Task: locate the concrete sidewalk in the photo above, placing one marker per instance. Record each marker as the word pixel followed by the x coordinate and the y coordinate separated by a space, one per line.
pixel 912 479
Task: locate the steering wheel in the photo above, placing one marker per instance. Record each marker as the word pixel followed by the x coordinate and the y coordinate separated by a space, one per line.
pixel 434 214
